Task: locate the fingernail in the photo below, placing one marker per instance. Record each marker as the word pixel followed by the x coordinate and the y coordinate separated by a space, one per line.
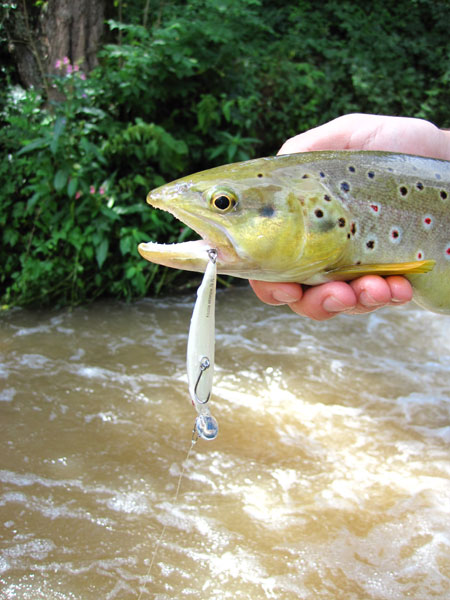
pixel 367 300
pixel 332 304
pixel 284 297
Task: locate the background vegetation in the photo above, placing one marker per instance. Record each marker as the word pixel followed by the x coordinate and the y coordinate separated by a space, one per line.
pixel 181 86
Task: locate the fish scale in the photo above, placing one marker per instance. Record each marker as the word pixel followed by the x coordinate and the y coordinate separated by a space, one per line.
pixel 315 217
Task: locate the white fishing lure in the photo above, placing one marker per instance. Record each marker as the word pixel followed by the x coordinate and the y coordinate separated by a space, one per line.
pixel 200 351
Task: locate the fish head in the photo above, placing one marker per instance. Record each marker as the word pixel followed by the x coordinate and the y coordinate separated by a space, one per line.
pixel 254 213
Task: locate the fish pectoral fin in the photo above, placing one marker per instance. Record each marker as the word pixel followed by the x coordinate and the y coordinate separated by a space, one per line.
pixel 407 268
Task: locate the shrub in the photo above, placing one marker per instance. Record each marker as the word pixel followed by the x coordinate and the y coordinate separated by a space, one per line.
pixel 71 215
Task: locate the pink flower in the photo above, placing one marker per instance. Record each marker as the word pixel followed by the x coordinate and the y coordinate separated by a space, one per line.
pixel 58 64
pixel 101 191
pixel 76 67
pixel 83 76
pixel 69 69
pixel 92 189
pixel 78 195
pixel 66 60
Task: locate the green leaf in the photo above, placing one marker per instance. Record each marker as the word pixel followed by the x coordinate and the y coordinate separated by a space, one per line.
pixel 57 131
pixel 32 201
pixel 130 272
pixel 125 244
pixel 102 251
pixel 60 179
pixel 72 187
pixel 36 144
pixel 10 236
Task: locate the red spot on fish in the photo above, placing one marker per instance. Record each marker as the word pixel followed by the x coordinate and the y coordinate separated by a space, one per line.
pixel 448 251
pixel 419 255
pixel 375 207
pixel 427 221
pixel 395 234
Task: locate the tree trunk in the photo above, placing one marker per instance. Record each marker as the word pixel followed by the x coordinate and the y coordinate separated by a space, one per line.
pixel 73 29
pixel 38 37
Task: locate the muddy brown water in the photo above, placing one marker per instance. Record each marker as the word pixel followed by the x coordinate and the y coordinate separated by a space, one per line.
pixel 330 477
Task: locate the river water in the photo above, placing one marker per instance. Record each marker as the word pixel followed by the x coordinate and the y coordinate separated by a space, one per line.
pixel 330 477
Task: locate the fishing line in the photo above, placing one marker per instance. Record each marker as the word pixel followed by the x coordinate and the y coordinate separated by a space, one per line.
pixel 195 437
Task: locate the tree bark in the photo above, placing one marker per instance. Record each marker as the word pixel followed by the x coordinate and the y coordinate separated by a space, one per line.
pixel 73 29
pixel 37 38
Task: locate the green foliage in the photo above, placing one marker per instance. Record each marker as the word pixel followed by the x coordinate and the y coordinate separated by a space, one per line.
pixel 205 82
pixel 69 212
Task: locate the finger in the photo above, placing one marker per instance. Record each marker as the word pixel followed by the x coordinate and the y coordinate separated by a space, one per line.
pixel 401 289
pixel 277 293
pixel 334 135
pixel 325 301
pixel 372 292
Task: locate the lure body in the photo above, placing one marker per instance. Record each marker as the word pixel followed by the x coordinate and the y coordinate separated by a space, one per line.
pixel 200 351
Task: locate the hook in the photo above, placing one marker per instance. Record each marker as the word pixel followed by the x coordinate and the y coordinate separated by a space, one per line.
pixel 204 364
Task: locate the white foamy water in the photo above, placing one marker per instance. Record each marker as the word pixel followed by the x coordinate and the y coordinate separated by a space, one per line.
pixel 330 477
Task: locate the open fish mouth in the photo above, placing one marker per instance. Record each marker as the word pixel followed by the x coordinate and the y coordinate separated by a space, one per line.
pixel 192 255
pixel 175 198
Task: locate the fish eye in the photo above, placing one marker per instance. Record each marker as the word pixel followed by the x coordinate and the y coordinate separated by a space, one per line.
pixel 223 201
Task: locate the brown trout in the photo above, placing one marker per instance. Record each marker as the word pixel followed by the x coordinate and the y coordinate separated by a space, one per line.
pixel 315 217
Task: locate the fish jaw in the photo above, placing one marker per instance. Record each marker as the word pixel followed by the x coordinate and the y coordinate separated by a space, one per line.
pixel 191 255
pixel 187 256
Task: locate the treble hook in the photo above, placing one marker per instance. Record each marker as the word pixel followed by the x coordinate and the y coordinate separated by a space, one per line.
pixel 204 364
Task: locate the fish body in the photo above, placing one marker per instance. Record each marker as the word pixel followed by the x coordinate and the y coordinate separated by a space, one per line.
pixel 316 217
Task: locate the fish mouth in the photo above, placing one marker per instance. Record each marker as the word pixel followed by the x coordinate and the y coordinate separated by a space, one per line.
pixel 192 255
pixel 188 256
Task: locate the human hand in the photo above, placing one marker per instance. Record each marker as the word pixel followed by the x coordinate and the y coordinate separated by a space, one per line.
pixel 356 132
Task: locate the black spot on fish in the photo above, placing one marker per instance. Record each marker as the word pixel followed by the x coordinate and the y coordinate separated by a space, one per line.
pixel 327 198
pixel 305 176
pixel 444 195
pixel 352 169
pixel 353 228
pixel 318 213
pixel 403 190
pixel 370 244
pixel 348 236
pixel 370 174
pixel 260 175
pixel 267 211
pixel 358 262
pixel 419 185
pixel 341 222
pixel 395 233
pixel 345 187
pixel 322 174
